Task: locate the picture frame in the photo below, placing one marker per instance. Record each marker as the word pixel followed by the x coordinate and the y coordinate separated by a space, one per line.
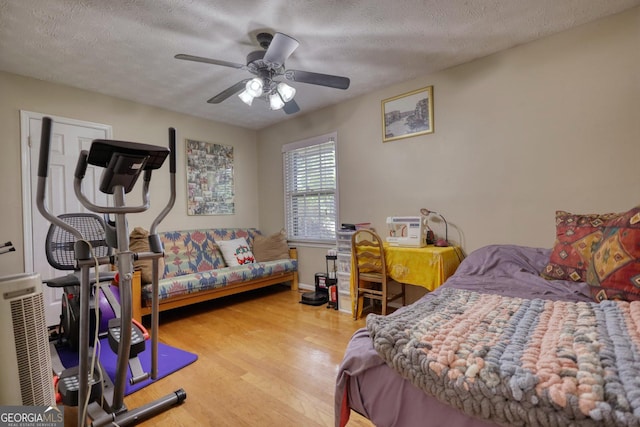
pixel 407 115
pixel 210 187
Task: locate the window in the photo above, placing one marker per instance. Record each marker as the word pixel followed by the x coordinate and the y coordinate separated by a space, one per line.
pixel 311 189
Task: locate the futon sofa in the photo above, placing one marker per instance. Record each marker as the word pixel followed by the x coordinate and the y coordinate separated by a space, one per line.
pixel 195 269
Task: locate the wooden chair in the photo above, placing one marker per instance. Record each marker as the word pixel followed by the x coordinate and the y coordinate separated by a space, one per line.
pixel 370 271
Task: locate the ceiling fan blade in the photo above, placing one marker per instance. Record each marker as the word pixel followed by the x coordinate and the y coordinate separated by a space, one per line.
pixel 291 107
pixel 281 47
pixel 230 91
pixel 210 61
pixel 328 80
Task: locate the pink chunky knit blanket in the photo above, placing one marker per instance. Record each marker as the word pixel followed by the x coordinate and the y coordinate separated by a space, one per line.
pixel 519 361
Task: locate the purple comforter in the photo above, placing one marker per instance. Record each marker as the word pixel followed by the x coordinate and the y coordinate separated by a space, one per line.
pixel 379 393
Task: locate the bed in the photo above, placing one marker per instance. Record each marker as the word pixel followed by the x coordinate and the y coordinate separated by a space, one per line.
pixel 497 344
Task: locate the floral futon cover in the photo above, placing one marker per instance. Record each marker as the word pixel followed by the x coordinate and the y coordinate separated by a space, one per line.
pixel 193 262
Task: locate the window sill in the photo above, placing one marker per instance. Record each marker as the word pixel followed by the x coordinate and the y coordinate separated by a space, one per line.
pixel 312 243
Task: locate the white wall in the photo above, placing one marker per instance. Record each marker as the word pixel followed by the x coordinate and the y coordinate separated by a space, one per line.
pixel 131 122
pixel 554 124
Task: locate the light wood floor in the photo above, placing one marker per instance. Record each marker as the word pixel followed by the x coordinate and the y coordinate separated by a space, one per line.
pixel 263 360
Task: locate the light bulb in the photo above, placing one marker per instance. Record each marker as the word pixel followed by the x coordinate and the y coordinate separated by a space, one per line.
pixel 246 98
pixel 275 101
pixel 286 92
pixel 254 87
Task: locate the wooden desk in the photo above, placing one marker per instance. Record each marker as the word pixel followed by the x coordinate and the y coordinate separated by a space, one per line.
pixel 428 266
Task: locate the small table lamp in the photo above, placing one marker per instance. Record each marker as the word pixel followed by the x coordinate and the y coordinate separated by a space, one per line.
pixel 440 242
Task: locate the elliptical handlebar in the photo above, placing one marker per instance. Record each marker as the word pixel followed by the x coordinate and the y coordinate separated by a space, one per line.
pixel 43 172
pixel 79 174
pixel 45 142
pixel 81 168
pixel 172 147
pixel 172 199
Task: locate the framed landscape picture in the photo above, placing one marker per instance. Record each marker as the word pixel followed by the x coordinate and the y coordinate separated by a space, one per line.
pixel 407 115
pixel 209 178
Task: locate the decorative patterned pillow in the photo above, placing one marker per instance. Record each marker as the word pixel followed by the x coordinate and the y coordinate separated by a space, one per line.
pixel 271 248
pixel 236 251
pixel 614 272
pixel 139 242
pixel 577 235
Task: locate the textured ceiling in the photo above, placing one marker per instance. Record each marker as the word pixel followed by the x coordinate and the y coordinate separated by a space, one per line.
pixel 126 48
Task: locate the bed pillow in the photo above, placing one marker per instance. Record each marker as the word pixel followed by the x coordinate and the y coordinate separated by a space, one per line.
pixel 577 235
pixel 614 272
pixel 236 251
pixel 271 248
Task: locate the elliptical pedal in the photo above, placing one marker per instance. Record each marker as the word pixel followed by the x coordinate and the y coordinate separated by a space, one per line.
pixel 69 386
pixel 137 337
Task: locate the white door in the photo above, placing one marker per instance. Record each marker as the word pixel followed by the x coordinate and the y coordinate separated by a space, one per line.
pixel 68 138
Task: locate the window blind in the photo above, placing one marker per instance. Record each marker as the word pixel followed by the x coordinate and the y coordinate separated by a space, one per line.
pixel 310 180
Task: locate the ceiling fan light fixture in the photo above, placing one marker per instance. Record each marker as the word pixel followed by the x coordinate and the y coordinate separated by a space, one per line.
pixel 254 87
pixel 275 101
pixel 246 97
pixel 286 92
pixel 268 65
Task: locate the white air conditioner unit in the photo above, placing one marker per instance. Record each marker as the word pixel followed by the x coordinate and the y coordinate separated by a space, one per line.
pixel 25 357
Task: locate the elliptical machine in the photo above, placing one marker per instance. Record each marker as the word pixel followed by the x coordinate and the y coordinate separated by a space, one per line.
pixel 123 162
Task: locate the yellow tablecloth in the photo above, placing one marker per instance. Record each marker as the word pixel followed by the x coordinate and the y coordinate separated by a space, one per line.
pixel 428 266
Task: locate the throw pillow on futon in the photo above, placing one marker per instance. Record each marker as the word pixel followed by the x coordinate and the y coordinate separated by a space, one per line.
pixel 139 242
pixel 577 235
pixel 271 248
pixel 614 272
pixel 236 251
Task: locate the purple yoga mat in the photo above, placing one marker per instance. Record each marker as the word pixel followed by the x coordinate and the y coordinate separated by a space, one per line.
pixel 170 359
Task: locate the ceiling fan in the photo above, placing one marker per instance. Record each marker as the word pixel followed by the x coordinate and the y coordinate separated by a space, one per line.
pixel 268 67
